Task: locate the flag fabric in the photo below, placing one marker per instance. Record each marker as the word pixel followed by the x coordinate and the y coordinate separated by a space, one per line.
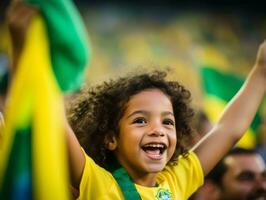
pixel 219 87
pixel 3 74
pixel 69 41
pixel 33 162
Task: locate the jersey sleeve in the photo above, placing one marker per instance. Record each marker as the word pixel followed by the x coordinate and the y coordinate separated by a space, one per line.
pixel 186 176
pixel 96 182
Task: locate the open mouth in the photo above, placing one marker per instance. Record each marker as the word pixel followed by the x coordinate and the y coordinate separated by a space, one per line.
pixel 154 150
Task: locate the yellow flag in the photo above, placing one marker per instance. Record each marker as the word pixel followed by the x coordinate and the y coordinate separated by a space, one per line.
pixel 34 121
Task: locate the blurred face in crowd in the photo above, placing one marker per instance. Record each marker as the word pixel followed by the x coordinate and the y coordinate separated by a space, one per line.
pixel 245 178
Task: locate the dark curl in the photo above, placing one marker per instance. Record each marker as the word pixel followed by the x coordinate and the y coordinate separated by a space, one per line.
pixel 97 111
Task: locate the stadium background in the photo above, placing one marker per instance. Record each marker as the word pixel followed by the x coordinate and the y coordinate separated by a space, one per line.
pixel 181 35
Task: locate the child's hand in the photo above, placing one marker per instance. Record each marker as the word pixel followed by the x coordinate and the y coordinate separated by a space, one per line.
pixel 261 58
pixel 18 18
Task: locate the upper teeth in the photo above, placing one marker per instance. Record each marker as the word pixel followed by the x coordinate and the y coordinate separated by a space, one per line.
pixel 155 145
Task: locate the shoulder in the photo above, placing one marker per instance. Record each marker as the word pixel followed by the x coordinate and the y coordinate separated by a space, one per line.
pixel 189 161
pixel 96 181
pixel 188 164
pixel 184 176
pixel 92 169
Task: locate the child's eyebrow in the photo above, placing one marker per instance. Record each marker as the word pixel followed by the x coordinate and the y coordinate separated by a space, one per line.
pixel 143 112
pixel 168 113
pixel 138 112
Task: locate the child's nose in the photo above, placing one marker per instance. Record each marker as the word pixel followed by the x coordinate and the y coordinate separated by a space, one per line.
pixel 156 133
pixel 156 129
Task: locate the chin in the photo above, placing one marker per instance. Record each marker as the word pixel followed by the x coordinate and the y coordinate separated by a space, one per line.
pixel 156 168
pixel 258 194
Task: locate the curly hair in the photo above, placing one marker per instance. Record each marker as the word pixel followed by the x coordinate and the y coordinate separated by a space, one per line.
pixel 97 111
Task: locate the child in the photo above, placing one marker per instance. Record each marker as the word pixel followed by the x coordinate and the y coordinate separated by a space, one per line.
pixel 132 129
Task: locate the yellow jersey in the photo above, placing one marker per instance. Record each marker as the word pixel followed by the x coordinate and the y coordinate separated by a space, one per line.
pixel 176 182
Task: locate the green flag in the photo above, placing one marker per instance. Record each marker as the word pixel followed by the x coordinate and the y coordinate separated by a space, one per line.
pixel 219 88
pixel 68 38
pixel 33 163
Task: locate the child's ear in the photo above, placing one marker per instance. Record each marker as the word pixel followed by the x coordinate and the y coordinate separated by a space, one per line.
pixel 110 141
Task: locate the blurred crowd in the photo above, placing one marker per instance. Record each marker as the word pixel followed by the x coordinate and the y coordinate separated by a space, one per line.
pixel 183 40
pixel 124 37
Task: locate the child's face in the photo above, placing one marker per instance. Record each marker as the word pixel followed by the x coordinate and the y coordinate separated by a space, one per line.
pixel 147 137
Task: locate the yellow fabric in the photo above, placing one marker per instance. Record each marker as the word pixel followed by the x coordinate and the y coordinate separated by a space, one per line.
pixel 211 57
pixel 35 101
pixel 181 180
pixel 213 107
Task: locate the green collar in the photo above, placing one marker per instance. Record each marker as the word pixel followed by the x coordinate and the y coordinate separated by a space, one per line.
pixel 126 184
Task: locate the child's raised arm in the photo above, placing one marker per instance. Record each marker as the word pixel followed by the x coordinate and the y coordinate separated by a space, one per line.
pixel 18 18
pixel 76 157
pixel 236 117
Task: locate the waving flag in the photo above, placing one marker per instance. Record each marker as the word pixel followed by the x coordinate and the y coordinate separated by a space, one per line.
pixel 219 88
pixel 33 163
pixel 33 159
pixel 69 44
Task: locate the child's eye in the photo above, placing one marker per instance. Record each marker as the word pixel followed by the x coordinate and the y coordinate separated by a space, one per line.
pixel 169 122
pixel 140 120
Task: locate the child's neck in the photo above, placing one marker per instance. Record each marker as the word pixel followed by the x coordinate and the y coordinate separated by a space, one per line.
pixel 137 177
pixel 148 180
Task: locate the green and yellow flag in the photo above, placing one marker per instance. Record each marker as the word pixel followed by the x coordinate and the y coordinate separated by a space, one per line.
pixel 69 41
pixel 219 87
pixel 33 153
pixel 33 163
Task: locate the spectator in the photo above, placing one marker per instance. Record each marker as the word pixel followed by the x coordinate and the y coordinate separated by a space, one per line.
pixel 241 175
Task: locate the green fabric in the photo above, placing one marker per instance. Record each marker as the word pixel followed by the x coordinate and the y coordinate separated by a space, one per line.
pixel 224 86
pixel 18 176
pixel 68 41
pixel 126 184
pixel 219 84
pixel 4 73
pixel 4 83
